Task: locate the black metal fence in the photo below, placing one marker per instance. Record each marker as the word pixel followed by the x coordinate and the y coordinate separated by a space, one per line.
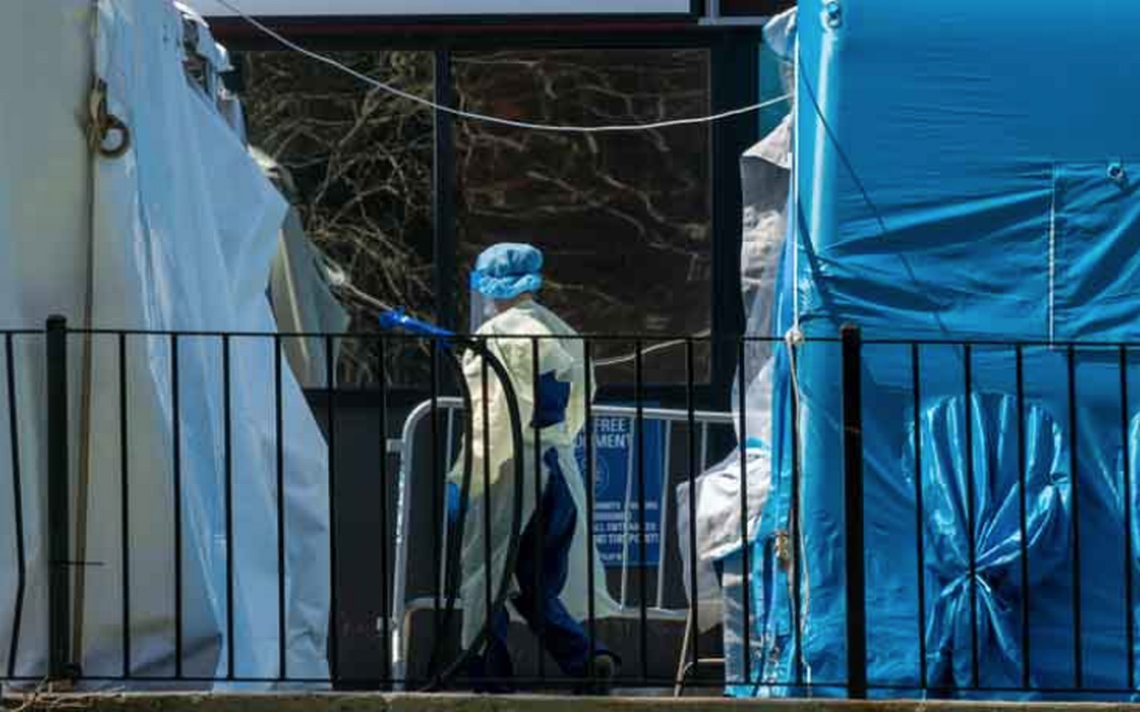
pixel 657 632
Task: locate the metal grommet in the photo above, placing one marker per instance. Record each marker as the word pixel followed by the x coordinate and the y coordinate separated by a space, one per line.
pixel 115 125
pixel 833 15
pixel 1116 173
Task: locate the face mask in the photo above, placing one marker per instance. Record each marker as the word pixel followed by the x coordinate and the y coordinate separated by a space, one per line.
pixel 483 309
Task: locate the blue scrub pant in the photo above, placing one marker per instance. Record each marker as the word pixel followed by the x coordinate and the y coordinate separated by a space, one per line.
pixel 562 636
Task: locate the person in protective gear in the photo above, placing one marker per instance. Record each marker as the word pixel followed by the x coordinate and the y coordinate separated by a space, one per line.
pixel 553 598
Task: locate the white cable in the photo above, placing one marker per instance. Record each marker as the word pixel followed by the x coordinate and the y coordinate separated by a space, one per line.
pixel 627 358
pixel 484 117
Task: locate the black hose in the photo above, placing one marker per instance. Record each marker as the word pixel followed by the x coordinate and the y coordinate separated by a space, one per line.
pixel 456 541
pixel 455 531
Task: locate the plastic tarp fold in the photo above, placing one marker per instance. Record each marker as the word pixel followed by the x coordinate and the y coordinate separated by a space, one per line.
pixel 720 537
pixel 299 289
pixel 178 234
pixel 986 510
pixel 765 173
pixel 718 524
pixel 303 303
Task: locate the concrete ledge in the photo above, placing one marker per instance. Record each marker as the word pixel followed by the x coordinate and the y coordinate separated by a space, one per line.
pixel 342 702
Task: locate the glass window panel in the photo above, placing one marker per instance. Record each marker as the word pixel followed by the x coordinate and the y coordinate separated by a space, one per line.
pixel 623 218
pixel 362 164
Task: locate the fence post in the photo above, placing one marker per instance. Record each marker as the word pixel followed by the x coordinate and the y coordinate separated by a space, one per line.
pixel 59 529
pixel 853 512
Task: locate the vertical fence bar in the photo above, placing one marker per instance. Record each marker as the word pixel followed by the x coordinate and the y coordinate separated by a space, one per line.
pixel 451 548
pixel 279 431
pixel 919 511
pixel 971 512
pixel 334 628
pixel 59 523
pixel 642 548
pixel 795 534
pixel 1126 457
pixel 590 483
pixel 386 618
pixel 540 602
pixel 176 426
pixel 627 514
pixel 1023 517
pixel 1078 657
pixel 17 503
pixel 489 586
pixel 448 572
pixel 741 404
pixel 227 418
pixel 125 504
pixel 704 445
pixel 663 515
pixel 694 593
pixel 438 523
pixel 450 434
pixel 853 512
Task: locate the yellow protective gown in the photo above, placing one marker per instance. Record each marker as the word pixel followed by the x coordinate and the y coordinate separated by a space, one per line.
pixel 493 459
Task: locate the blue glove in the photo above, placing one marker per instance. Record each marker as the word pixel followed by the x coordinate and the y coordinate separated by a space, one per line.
pixel 394 319
pixel 453 502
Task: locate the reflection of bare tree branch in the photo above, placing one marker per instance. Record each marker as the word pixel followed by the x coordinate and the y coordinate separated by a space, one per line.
pixel 590 200
pixel 362 162
pixel 623 218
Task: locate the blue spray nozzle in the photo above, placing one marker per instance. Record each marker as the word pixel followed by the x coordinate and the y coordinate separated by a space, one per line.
pixel 396 319
pixel 755 443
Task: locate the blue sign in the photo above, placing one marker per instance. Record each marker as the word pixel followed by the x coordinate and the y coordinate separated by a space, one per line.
pixel 617 506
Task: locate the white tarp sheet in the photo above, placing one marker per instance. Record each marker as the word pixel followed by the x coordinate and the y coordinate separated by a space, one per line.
pixel 183 230
pixel 45 74
pixel 304 303
pixel 299 290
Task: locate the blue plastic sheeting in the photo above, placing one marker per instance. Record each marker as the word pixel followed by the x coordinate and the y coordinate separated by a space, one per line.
pixel 965 170
pixel 985 510
pixel 947 146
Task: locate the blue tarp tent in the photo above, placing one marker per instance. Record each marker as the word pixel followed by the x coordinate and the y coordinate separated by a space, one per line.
pixel 966 170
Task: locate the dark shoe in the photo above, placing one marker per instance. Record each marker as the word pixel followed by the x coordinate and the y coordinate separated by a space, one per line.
pixel 605 670
pixel 491 673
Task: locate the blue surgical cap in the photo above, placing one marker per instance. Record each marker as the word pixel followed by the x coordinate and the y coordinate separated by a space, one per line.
pixel 507 270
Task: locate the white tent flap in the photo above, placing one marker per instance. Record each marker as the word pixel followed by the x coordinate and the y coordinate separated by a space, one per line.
pixel 177 234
